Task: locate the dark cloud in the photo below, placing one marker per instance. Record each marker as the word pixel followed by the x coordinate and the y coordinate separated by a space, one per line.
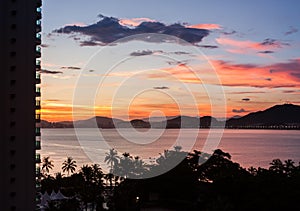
pixel 260 86
pixel 268 79
pixel 229 32
pixel 45 45
pixel 232 66
pixel 273 42
pixel 269 41
pixel 297 75
pixel 70 68
pixel 181 53
pixel 208 46
pixel 239 110
pixel 144 53
pixel 246 99
pixel 90 43
pixel 50 71
pixel 291 31
pixel 266 52
pixel 161 87
pixel 292 67
pixel 248 92
pixel 108 30
pixel 289 91
pixel 178 62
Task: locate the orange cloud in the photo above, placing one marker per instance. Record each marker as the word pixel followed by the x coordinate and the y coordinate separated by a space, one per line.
pixel 134 21
pixel 180 73
pixel 270 76
pixel 208 26
pixel 276 75
pixel 54 114
pixel 145 110
pixel 233 76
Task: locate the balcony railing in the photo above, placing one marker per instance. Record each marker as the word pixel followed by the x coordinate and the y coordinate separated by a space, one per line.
pixel 37 78
pixel 38 22
pixel 37 81
pixel 37 131
pixel 38 39
pixel 37 158
pixel 38 28
pixel 38 52
pixel 38 64
pixel 37 118
pixel 37 104
pixel 37 91
pixel 38 13
pixel 37 145
pixel 37 171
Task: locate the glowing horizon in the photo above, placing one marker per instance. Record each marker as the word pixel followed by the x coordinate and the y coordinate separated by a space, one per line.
pixel 255 57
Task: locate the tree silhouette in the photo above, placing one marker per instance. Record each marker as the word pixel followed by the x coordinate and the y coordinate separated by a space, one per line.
pixel 289 167
pixel 69 165
pixel 277 166
pixel 47 164
pixel 111 158
pixel 92 186
pixel 125 166
pixel 109 177
pixel 139 167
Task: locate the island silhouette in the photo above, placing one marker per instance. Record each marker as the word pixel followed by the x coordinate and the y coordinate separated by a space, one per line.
pixel 285 116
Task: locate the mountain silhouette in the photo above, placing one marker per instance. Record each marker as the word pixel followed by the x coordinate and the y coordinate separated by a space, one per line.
pixel 278 116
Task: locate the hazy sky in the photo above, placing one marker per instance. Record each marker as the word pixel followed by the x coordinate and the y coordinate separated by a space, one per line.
pixel 203 57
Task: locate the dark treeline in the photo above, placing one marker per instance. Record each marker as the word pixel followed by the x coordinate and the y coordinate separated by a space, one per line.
pixel 191 184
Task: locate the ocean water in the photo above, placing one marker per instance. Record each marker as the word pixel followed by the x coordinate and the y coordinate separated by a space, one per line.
pixel 248 147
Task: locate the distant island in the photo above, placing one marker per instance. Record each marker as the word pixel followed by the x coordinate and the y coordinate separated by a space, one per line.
pixel 286 116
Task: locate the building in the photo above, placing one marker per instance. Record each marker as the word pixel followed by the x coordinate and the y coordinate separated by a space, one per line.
pixel 20 103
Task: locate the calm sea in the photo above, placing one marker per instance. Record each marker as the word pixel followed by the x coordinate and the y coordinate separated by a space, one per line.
pixel 247 147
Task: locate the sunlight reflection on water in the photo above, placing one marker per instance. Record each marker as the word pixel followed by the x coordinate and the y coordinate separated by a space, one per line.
pixel 247 147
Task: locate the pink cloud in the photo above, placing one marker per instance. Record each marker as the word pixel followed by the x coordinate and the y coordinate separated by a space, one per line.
pixel 247 46
pixel 206 26
pixel 277 75
pixel 134 21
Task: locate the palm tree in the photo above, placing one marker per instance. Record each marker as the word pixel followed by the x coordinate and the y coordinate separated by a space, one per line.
pixel 139 167
pixel 126 165
pixel 277 166
pixel 91 190
pixel 69 165
pixel 289 167
pixel 47 164
pixel 97 174
pixel 111 158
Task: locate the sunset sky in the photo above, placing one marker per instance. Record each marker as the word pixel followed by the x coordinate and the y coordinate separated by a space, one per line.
pixel 203 58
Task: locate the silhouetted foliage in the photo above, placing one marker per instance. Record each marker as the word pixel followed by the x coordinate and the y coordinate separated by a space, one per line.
pixel 69 165
pixel 47 164
pixel 194 181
